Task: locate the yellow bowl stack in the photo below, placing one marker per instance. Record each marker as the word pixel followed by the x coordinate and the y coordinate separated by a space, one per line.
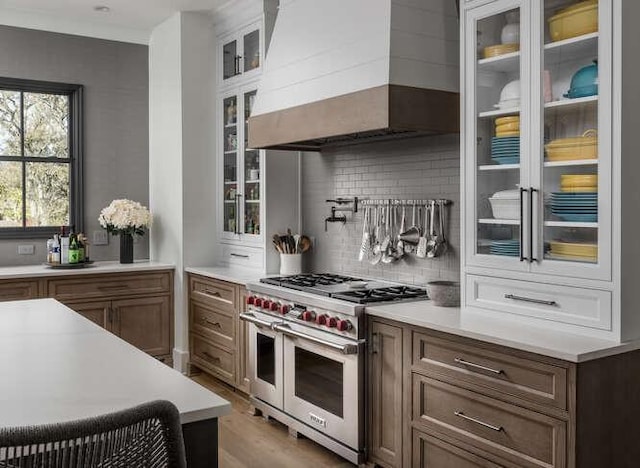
pixel 576 20
pixel 579 183
pixel 574 251
pixel 500 49
pixel 508 126
pixel 574 148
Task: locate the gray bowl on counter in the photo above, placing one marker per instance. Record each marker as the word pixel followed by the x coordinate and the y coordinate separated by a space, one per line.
pixel 444 293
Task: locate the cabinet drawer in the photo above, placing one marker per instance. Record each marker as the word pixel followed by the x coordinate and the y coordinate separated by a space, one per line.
pixel 216 294
pixel 216 326
pixel 18 290
pixel 430 452
pixel 242 256
pixel 490 369
pixel 87 287
pixel 212 358
pixel 524 437
pixel 576 306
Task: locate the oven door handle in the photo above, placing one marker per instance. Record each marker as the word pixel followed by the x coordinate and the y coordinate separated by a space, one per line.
pixel 256 321
pixel 344 349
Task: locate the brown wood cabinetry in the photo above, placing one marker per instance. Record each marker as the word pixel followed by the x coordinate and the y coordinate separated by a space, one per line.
pixel 17 290
pixel 385 394
pixel 217 336
pixel 468 403
pixel 137 307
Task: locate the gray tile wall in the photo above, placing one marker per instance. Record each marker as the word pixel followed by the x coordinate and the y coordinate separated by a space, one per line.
pixel 116 99
pixel 425 167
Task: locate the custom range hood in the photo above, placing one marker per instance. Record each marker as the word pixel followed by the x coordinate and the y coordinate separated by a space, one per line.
pixel 347 71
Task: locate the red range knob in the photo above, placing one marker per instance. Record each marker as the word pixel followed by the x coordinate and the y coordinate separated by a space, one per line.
pixel 308 315
pixel 284 309
pixel 250 300
pixel 275 306
pixel 266 304
pixel 344 325
pixel 332 323
pixel 257 302
pixel 321 319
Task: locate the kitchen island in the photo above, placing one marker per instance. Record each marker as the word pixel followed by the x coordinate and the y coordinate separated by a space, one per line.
pixel 58 366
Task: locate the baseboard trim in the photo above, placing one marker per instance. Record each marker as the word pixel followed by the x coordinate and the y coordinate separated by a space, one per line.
pixel 180 360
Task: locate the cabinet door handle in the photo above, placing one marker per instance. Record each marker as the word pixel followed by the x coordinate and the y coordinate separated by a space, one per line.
pixel 531 257
pixel 113 287
pixel 374 343
pixel 522 190
pixel 110 315
pixel 460 414
pixel 210 357
pixel 209 322
pixel 211 292
pixel 529 299
pixel 239 255
pixel 478 366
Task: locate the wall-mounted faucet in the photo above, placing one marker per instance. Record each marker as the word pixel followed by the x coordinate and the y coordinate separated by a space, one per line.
pixel 339 209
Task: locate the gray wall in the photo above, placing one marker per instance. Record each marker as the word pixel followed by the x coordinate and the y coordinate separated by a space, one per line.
pixel 405 169
pixel 116 158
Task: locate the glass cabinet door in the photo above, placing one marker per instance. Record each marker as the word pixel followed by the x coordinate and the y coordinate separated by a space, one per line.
pixel 252 172
pixel 573 141
pixel 230 60
pixel 496 128
pixel 251 46
pixel 230 184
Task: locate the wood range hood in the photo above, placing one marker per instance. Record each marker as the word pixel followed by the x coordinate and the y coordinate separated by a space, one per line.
pixel 340 73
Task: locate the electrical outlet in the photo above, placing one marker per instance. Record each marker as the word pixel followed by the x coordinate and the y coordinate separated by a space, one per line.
pixel 100 238
pixel 26 249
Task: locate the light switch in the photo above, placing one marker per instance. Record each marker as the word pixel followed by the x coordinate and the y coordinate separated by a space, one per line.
pixel 100 238
pixel 26 249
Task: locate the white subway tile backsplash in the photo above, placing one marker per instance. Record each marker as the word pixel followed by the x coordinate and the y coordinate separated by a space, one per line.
pixel 426 167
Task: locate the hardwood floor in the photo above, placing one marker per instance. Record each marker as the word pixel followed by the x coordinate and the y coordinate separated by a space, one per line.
pixel 251 441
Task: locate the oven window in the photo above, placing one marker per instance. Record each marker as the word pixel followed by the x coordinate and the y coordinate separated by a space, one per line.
pixel 266 358
pixel 318 381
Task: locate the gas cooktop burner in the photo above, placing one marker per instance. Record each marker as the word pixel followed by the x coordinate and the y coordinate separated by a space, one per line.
pixel 336 286
pixel 308 281
pixel 392 293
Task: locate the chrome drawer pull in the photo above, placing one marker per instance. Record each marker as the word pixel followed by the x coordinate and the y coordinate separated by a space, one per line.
pixel 478 366
pixel 460 414
pixel 238 255
pixel 213 324
pixel 528 299
pixel 211 292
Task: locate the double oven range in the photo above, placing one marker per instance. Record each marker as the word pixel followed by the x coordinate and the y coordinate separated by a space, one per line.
pixel 307 353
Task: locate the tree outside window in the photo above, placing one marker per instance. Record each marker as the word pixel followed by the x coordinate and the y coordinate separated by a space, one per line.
pixel 40 157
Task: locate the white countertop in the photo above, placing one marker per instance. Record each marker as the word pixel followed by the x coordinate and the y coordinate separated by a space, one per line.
pixel 236 275
pixel 58 366
pixel 25 271
pixel 565 346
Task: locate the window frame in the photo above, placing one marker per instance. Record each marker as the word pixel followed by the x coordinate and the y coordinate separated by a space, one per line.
pixel 76 154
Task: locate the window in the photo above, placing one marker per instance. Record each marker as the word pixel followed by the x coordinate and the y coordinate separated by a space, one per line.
pixel 40 157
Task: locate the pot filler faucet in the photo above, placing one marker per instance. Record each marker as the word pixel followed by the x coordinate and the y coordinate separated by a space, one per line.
pixel 334 218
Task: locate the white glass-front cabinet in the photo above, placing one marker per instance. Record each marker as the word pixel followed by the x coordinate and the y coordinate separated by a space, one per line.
pixel 240 55
pixel 537 154
pixel 240 169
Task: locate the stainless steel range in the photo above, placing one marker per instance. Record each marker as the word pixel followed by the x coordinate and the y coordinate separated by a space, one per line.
pixel 307 351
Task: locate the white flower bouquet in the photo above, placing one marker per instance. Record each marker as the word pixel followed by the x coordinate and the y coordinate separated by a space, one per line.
pixel 125 217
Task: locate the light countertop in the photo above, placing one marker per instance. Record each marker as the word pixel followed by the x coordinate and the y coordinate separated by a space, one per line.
pixel 236 275
pixel 58 366
pixel 565 346
pixel 30 271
